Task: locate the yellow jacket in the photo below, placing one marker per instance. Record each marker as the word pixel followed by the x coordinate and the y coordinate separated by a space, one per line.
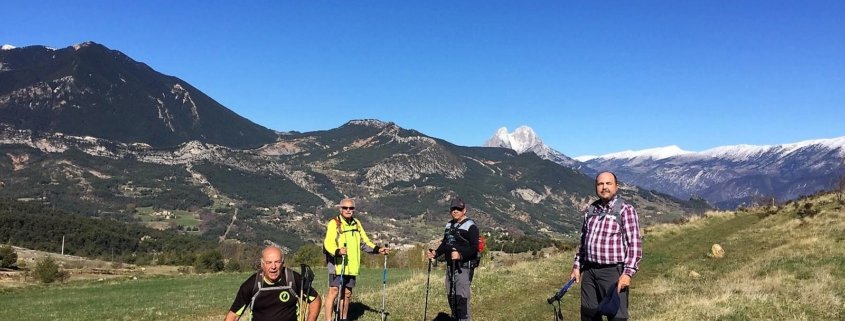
pixel 352 235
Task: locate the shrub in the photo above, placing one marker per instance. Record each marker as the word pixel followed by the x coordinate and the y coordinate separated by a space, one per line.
pixel 8 257
pixel 184 269
pixel 210 261
pixel 767 212
pixel 47 271
pixel 311 254
pixel 233 266
pixel 807 211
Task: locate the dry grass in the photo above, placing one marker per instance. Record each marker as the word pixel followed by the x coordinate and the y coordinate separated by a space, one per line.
pixel 776 267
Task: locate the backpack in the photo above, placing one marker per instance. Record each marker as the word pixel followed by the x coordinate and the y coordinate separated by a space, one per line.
pixel 259 287
pixel 482 241
pixel 616 213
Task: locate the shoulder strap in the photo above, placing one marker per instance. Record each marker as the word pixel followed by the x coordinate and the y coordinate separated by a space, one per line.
pixel 337 221
pixel 257 289
pixel 337 236
pixel 291 284
pixel 616 213
pixel 337 224
pixel 617 209
pixel 357 224
pixel 259 286
pixel 454 225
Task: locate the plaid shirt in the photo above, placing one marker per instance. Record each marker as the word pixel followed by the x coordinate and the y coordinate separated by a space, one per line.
pixel 602 239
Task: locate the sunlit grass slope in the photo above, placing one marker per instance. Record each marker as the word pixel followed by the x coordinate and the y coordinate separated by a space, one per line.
pixel 779 264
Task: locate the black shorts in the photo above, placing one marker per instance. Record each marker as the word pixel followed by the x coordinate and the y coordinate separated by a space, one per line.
pixel 348 281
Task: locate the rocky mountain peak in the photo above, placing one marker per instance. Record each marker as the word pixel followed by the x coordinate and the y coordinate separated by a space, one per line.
pixel 375 123
pixel 524 139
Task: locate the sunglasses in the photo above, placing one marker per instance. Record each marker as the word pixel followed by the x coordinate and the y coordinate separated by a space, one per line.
pixel 348 208
pixel 459 209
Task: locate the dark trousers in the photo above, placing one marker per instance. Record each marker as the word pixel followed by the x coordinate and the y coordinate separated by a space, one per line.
pixel 458 282
pixel 595 281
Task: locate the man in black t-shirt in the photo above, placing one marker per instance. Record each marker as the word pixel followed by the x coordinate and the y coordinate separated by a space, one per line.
pixel 274 293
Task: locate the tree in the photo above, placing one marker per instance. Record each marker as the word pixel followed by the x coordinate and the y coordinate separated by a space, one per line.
pixel 8 257
pixel 209 261
pixel 311 254
pixel 47 271
pixel 233 266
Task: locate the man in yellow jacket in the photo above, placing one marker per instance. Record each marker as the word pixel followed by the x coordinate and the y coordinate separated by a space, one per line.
pixel 345 241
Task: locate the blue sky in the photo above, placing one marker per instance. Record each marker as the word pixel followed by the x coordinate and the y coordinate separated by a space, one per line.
pixel 590 77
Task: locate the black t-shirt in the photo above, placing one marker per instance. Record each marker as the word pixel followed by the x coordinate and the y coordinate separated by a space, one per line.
pixel 276 305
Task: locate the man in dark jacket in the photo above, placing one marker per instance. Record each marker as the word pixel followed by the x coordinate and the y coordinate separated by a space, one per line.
pixel 460 250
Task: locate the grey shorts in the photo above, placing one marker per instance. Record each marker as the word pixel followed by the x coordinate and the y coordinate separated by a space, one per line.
pixel 348 281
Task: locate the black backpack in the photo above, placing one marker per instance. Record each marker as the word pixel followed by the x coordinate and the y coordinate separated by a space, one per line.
pixel 452 229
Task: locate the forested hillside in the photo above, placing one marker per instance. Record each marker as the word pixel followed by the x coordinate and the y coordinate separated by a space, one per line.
pixel 35 226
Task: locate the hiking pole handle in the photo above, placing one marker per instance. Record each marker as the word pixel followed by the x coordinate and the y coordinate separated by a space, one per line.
pixel 384 277
pixel 432 260
pixel 561 292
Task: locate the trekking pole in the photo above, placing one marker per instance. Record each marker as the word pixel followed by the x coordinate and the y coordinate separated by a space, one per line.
pixel 427 282
pixel 556 298
pixel 384 285
pixel 453 290
pixel 340 288
pixel 307 276
pixel 301 302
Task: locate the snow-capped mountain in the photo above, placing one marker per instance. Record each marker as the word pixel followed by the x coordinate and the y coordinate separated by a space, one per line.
pixel 523 139
pixel 730 175
pixel 652 153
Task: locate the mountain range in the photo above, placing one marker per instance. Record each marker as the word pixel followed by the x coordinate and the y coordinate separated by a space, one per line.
pixel 90 90
pixel 726 177
pixel 88 130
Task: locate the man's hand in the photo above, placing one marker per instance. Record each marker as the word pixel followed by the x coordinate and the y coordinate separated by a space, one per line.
pixel 429 254
pixel 342 251
pixel 384 251
pixel 624 282
pixel 455 255
pixel 576 274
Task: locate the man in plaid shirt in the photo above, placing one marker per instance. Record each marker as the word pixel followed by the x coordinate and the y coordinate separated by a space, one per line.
pixel 608 254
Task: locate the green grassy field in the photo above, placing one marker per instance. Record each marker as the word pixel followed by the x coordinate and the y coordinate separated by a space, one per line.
pixel 777 266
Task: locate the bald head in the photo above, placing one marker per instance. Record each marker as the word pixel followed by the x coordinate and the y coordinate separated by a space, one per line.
pixel 606 186
pixel 272 251
pixel 272 260
pixel 607 173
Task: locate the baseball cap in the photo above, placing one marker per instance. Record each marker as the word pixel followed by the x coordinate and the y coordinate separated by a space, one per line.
pixel 458 202
pixel 610 304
